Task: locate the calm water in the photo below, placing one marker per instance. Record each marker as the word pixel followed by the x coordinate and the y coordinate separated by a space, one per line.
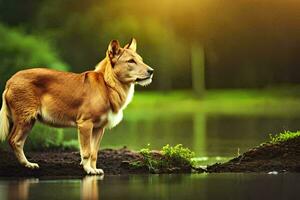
pixel 202 186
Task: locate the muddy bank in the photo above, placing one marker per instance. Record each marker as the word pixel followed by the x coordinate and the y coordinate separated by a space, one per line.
pixel 269 157
pixel 66 164
pixel 280 157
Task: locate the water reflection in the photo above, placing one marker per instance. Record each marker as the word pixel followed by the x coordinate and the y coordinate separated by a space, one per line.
pixel 20 189
pixel 176 187
pixel 89 187
pixel 23 189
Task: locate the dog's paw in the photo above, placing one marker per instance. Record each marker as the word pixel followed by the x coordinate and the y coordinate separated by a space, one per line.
pixel 30 165
pixel 89 171
pixel 99 171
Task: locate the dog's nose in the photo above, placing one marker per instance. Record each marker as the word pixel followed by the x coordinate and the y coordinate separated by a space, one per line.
pixel 150 71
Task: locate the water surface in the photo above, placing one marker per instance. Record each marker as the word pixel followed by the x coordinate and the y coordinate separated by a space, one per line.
pixel 175 187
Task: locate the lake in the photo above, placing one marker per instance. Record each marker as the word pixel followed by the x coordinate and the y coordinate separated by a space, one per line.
pixel 195 186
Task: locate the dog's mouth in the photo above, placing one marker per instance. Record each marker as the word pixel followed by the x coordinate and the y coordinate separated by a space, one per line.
pixel 144 81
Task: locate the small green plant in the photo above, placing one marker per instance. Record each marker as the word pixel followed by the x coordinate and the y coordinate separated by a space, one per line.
pixel 168 158
pixel 149 160
pixel 178 154
pixel 285 136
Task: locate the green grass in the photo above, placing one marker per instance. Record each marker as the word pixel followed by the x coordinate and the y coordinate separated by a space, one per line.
pixel 283 137
pixel 271 101
pixel 170 156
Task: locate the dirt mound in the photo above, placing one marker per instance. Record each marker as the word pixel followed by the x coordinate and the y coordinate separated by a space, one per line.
pixel 66 164
pixel 280 157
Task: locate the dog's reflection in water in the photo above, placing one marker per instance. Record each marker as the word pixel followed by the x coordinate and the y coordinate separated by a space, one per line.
pixel 21 189
pixel 89 187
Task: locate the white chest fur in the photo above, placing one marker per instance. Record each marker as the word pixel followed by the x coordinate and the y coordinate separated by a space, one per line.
pixel 115 118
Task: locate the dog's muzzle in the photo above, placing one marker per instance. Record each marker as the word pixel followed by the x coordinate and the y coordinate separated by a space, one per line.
pixel 144 81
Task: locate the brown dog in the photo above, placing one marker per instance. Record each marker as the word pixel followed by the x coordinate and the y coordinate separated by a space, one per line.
pixel 90 101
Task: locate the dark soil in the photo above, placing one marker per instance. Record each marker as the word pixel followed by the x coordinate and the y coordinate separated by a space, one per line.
pixel 280 157
pixel 67 164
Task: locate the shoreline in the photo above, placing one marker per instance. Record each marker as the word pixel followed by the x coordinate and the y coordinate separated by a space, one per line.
pixel 67 164
pixel 278 157
pixel 269 157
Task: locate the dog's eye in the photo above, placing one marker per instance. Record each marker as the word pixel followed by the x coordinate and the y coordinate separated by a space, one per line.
pixel 131 61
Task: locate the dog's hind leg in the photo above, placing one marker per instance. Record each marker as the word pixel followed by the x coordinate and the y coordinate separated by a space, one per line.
pixel 17 140
pixel 24 106
pixel 96 139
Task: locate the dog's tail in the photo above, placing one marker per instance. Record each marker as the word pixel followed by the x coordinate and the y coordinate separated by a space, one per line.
pixel 4 119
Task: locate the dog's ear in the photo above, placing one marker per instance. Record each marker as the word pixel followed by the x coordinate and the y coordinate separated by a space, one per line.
pixel 113 50
pixel 131 45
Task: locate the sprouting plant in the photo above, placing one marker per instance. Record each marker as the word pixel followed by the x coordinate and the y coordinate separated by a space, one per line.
pixel 149 161
pixel 282 137
pixel 178 154
pixel 238 152
pixel 168 157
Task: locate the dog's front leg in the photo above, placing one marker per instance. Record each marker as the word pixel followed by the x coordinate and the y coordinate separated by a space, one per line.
pixel 96 140
pixel 81 162
pixel 85 129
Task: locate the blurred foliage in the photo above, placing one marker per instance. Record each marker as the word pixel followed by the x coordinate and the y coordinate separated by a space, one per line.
pixel 20 51
pixel 83 38
pixel 246 43
pixel 43 137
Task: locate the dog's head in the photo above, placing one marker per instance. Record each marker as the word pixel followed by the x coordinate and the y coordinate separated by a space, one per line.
pixel 128 65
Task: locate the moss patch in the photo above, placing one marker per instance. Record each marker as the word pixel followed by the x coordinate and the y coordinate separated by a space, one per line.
pixel 285 136
pixel 169 159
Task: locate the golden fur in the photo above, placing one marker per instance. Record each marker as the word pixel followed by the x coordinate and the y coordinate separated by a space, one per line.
pixel 90 101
